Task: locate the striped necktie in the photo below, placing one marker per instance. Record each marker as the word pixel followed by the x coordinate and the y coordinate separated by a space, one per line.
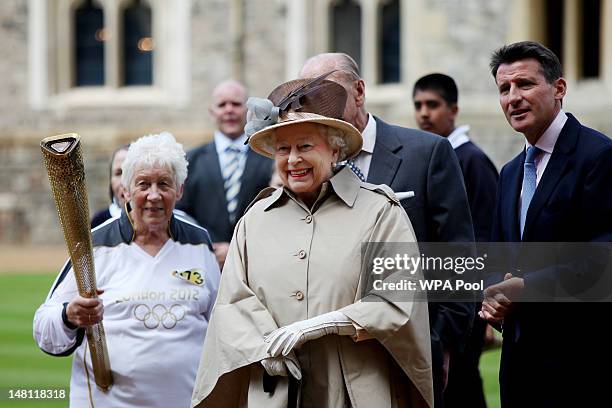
pixel 232 174
pixel 351 164
pixel 529 183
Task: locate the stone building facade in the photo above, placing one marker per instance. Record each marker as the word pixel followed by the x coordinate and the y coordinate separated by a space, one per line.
pixel 198 43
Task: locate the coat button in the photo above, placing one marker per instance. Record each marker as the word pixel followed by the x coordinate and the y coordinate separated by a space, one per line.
pixel 308 219
pixel 301 254
pixel 299 295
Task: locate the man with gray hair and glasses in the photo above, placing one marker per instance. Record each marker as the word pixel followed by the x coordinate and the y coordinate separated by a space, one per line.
pixel 424 172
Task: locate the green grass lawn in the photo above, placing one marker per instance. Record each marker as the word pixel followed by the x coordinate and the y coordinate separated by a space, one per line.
pixel 23 365
pixel 489 369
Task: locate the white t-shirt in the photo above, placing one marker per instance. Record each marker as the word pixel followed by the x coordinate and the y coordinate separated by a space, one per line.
pixel 156 311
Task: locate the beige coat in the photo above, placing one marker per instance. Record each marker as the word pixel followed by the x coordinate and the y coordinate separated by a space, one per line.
pixel 287 263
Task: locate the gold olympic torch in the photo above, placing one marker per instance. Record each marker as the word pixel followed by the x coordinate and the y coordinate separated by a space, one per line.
pixel 64 161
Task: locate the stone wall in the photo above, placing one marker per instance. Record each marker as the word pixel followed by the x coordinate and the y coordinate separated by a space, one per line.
pixel 456 37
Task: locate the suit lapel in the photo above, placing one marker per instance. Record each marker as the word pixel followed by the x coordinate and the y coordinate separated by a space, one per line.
pixel 510 202
pixel 557 166
pixel 385 162
pixel 216 180
pixel 250 170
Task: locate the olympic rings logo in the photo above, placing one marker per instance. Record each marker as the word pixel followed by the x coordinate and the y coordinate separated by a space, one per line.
pixel 159 314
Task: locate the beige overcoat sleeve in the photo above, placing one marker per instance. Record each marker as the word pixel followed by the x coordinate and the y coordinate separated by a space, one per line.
pixel 234 339
pixel 399 321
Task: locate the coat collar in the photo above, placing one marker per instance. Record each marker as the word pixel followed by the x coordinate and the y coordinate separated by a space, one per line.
pixel 385 160
pixel 344 184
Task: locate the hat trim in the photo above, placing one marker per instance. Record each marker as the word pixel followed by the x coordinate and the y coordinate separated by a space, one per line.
pixel 352 136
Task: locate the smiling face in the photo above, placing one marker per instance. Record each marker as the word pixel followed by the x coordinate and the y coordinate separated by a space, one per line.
pixel 303 159
pixel 529 102
pixel 152 194
pixel 433 114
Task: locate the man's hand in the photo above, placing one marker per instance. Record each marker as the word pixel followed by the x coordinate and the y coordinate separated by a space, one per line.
pixel 221 249
pixel 499 299
pixel 84 312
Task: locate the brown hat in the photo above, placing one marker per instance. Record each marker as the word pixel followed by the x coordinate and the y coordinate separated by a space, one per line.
pixel 314 100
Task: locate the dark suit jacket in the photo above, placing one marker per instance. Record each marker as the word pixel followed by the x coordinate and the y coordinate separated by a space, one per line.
pixel 413 160
pixel 464 387
pixel 480 177
pixel 552 351
pixel 204 195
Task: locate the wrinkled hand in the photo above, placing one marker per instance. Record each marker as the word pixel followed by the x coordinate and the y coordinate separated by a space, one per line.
pixel 82 311
pixel 499 299
pixel 286 338
pixel 278 366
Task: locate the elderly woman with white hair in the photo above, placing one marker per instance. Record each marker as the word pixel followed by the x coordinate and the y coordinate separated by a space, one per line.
pixel 158 278
pixel 295 324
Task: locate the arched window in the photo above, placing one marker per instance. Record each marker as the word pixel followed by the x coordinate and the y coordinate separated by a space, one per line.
pixel 137 44
pixel 89 36
pixel 389 46
pixel 346 29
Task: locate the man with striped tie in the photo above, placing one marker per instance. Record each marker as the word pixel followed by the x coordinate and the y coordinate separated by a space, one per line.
pixel 224 175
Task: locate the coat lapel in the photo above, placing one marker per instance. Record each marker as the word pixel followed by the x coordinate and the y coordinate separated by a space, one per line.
pixel 216 179
pixel 385 162
pixel 510 201
pixel 250 170
pixel 557 166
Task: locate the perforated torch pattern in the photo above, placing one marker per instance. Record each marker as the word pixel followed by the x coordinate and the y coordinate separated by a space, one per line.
pixel 64 161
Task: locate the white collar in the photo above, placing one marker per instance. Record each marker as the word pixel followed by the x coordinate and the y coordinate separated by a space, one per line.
pixel 369 135
pixel 459 136
pixel 222 142
pixel 114 210
pixel 547 141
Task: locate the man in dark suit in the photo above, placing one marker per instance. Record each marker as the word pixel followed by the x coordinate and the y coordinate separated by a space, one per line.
pixel 224 175
pixel 558 189
pixel 435 98
pixel 424 172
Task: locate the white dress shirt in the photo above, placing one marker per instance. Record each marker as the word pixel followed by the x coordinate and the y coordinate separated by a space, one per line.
pixel 546 143
pixel 364 158
pixel 222 142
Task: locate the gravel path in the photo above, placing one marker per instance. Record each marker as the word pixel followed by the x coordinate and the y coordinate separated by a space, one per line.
pixel 42 259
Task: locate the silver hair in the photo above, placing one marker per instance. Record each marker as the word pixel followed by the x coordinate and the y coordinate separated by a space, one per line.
pixel 156 150
pixel 333 136
pixel 335 139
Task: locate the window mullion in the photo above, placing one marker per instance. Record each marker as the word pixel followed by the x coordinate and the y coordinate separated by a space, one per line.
pixel 605 67
pixel 369 40
pixel 112 64
pixel 66 58
pixel 571 39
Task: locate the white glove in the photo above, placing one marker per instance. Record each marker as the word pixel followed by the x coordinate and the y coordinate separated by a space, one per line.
pixel 286 338
pixel 278 366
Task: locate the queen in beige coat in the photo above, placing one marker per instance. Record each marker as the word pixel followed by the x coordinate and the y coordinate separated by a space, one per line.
pixel 291 326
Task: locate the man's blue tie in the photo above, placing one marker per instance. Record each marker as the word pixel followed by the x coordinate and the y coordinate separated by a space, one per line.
pixel 529 183
pixel 351 164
